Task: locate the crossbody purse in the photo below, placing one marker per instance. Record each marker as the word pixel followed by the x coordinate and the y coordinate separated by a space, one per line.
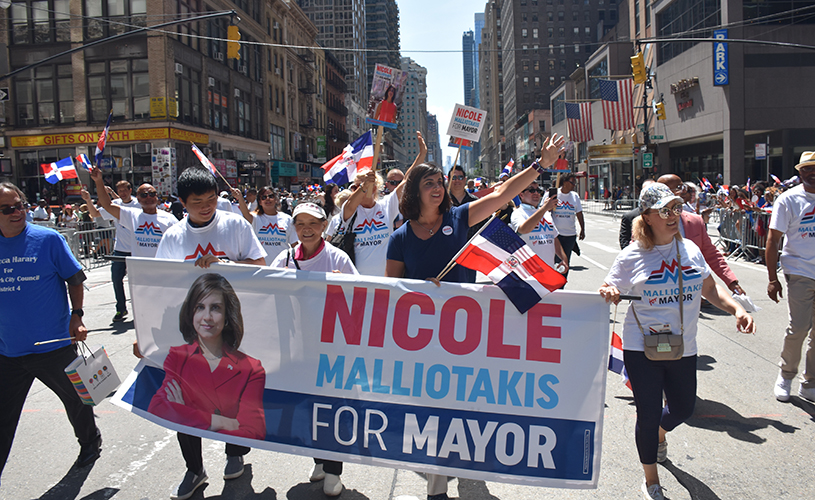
pixel 666 346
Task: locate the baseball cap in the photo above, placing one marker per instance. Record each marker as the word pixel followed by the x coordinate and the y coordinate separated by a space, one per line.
pixel 656 196
pixel 309 208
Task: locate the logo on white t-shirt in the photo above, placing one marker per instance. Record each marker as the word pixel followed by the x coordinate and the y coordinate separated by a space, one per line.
pixel 669 273
pixel 272 229
pixel 371 226
pixel 201 251
pixel 149 228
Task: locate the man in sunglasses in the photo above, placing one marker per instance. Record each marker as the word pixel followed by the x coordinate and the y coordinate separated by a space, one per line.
pixel 36 264
pixel 146 224
pixel 692 227
pixel 395 177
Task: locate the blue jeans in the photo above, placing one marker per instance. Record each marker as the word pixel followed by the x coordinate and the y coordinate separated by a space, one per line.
pixel 118 271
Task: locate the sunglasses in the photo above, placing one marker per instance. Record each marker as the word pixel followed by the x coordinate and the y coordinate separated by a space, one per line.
pixel 533 190
pixel 394 183
pixel 148 194
pixel 665 212
pixel 267 197
pixel 13 208
pixel 457 178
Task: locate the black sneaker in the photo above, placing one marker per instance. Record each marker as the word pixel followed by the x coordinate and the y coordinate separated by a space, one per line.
pixel 89 453
pixel 188 486
pixel 440 496
pixel 234 467
pixel 120 316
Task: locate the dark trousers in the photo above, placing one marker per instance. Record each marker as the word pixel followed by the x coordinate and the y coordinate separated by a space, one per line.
pixel 330 466
pixel 191 451
pixel 567 242
pixel 649 380
pixel 118 271
pixel 19 373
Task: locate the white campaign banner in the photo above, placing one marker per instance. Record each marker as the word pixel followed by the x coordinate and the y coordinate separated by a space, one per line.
pixel 398 373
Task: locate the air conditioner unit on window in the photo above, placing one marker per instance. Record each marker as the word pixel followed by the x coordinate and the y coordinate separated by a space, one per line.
pixel 179 68
pixel 142 148
pixel 237 92
pixel 277 71
pixel 217 147
pixel 211 81
pixel 219 56
pixel 277 110
pixel 276 26
pixel 242 68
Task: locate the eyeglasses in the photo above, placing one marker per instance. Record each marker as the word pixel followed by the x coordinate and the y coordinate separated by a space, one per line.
pixel 148 194
pixel 457 178
pixel 680 189
pixel 267 197
pixel 13 208
pixel 665 212
pixel 394 183
pixel 533 190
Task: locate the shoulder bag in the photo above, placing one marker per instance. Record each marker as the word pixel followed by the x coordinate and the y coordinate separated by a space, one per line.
pixel 343 238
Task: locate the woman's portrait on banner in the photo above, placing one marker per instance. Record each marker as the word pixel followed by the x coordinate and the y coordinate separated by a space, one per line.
pixel 209 384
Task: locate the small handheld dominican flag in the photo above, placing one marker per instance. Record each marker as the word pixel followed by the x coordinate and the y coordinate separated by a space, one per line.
pixel 615 358
pixel 508 168
pixel 85 162
pixel 103 139
pixel 59 170
pixel 502 255
pixel 205 161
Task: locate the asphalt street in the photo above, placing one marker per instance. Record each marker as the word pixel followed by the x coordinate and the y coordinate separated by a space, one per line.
pixel 740 444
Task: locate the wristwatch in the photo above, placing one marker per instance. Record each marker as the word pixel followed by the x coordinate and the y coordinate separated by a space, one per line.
pixel 79 312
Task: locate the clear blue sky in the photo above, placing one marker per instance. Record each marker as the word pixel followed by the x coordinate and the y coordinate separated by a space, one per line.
pixel 439 25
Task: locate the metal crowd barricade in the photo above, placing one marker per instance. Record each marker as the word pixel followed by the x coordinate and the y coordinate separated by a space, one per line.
pixel 743 233
pixel 730 231
pixel 755 229
pixel 90 245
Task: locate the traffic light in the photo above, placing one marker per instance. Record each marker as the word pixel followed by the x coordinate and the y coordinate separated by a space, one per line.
pixel 638 68
pixel 661 111
pixel 232 46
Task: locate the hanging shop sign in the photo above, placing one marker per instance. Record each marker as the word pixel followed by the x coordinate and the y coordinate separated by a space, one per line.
pixel 132 135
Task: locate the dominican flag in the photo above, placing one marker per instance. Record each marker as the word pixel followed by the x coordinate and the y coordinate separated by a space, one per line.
pixel 205 161
pixel 59 170
pixel 775 179
pixel 615 358
pixel 706 184
pixel 618 104
pixel 103 139
pixel 356 157
pixel 578 116
pixel 508 168
pixel 85 162
pixel 499 253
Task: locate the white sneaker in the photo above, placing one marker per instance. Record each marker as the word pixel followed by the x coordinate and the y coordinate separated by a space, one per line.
pixel 332 485
pixel 318 474
pixel 808 394
pixel 653 492
pixel 782 388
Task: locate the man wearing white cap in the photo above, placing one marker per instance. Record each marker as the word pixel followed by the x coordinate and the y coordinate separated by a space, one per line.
pixel 794 216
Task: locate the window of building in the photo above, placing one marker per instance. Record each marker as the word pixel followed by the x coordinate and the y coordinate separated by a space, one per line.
pixel 560 15
pixel 243 103
pixel 534 32
pixel 561 32
pixel 551 81
pixel 537 81
pixel 40 21
pixel 46 99
pixel 551 64
pixel 188 96
pixel 218 106
pixel 523 33
pixel 550 33
pixel 537 65
pixel 684 16
pixel 113 17
pixel 550 16
pixel 587 31
pixel 526 81
pixel 121 85
pixel 188 32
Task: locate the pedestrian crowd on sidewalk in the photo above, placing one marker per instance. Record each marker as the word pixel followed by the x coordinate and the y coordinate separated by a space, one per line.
pixel 427 218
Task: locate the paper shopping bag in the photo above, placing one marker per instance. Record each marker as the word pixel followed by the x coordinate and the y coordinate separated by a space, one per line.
pixel 92 374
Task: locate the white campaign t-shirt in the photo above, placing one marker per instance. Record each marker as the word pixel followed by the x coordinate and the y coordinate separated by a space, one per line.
pixel 794 215
pixel 227 235
pixel 652 274
pixel 327 260
pixel 568 205
pixel 224 204
pixel 542 238
pixel 147 229
pixel 275 232
pixel 124 236
pixel 373 227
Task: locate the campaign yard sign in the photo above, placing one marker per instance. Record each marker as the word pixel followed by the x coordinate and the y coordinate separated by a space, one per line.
pixel 397 373
pixel 467 123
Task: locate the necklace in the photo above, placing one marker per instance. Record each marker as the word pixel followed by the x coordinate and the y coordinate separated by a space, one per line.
pixel 430 230
pixel 660 251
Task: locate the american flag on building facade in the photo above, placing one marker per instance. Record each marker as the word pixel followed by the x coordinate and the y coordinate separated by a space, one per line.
pixel 578 116
pixel 618 104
